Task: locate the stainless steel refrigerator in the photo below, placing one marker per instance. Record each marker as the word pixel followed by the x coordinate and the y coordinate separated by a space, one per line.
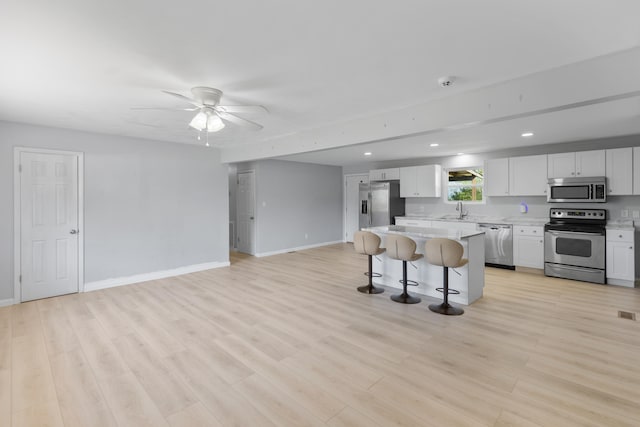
pixel 380 203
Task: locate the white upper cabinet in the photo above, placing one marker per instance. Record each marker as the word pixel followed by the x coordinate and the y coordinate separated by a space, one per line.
pixel 421 181
pixel 620 171
pixel 561 165
pixel 384 174
pixel 528 175
pixel 496 177
pixel 581 163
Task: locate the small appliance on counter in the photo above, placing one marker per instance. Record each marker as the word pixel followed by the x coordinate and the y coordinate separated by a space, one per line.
pixel 380 203
pixel 577 190
pixel 575 244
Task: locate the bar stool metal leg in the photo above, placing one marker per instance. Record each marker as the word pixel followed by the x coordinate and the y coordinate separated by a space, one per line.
pixel 404 297
pixel 370 289
pixel 445 307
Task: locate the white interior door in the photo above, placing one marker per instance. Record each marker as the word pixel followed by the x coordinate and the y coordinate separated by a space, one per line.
pixel 351 203
pixel 49 256
pixel 246 200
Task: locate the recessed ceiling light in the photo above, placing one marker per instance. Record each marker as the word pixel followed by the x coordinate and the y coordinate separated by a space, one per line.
pixel 527 134
pixel 460 154
pixel 368 153
pixel 433 145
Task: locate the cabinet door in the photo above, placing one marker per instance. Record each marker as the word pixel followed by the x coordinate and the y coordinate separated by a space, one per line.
pixel 528 175
pixel 620 260
pixel 619 171
pixel 408 182
pixel 590 163
pixel 528 251
pixel 496 172
pixel 392 173
pixel 561 165
pixel 428 181
pixel 636 170
pixel 375 175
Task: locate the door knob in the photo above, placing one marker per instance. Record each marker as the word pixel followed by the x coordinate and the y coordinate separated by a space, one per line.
pixel 74 232
pixel 250 217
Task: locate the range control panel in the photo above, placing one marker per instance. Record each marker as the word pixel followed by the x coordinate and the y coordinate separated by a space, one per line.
pixel 577 214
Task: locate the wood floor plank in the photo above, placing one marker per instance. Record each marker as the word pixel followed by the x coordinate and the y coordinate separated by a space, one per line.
pixel 167 390
pixel 100 352
pixel 277 407
pixel 79 396
pixel 45 414
pixel 129 403
pixel 194 416
pixel 32 383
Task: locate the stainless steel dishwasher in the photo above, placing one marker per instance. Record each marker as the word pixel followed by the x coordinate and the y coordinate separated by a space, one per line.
pixel 498 245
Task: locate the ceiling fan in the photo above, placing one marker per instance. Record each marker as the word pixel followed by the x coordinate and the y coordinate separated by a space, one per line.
pixel 211 115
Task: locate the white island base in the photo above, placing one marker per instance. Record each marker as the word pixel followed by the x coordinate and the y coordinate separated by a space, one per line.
pixel 470 281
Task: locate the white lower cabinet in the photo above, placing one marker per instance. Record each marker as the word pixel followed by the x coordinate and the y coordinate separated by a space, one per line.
pixel 621 257
pixel 528 246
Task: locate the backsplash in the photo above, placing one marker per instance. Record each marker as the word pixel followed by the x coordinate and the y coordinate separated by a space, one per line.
pixel 510 207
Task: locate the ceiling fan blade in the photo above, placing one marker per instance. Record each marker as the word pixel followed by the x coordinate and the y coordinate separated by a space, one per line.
pixel 239 121
pixel 242 109
pixel 143 124
pixel 184 98
pixel 166 109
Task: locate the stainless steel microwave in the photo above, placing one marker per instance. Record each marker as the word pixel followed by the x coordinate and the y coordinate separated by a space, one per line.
pixel 577 190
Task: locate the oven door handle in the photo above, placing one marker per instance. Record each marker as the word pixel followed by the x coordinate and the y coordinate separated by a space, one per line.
pixel 582 233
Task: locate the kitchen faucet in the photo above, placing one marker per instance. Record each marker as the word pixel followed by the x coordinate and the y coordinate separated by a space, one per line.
pixel 461 212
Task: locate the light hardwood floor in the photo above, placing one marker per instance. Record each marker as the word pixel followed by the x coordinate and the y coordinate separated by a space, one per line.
pixel 288 341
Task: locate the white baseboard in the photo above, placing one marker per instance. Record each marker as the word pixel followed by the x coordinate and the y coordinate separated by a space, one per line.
pixel 6 302
pixel 620 282
pixel 299 248
pixel 155 275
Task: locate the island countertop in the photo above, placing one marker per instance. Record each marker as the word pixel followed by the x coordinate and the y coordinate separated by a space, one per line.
pixel 424 233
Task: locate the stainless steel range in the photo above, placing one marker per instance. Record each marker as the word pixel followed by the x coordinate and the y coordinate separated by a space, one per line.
pixel 574 244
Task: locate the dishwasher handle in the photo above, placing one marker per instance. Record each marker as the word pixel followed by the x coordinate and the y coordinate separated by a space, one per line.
pixel 494 226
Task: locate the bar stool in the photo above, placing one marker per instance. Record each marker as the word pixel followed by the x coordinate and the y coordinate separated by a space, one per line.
pixel 446 253
pixel 367 243
pixel 404 249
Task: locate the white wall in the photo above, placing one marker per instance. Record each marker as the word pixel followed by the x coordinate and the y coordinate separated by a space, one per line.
pixel 508 206
pixel 293 200
pixel 149 206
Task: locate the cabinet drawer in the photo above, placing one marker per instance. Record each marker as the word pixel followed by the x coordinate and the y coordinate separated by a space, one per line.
pixel 413 222
pixel 620 236
pixel 527 230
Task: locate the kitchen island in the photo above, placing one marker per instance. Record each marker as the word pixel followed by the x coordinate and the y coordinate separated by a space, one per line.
pixel 470 281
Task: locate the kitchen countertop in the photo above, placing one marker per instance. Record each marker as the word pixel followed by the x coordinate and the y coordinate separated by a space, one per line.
pixel 425 233
pixel 618 224
pixel 534 221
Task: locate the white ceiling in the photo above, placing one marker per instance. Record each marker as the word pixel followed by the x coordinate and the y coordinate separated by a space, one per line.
pixel 314 65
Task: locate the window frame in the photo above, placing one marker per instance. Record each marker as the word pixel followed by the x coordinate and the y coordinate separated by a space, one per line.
pixel 445 195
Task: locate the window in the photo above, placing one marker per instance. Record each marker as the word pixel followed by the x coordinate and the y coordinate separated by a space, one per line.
pixel 465 184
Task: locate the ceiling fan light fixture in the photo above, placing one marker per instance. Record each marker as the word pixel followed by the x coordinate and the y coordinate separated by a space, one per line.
pixel 199 122
pixel 207 120
pixel 215 123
